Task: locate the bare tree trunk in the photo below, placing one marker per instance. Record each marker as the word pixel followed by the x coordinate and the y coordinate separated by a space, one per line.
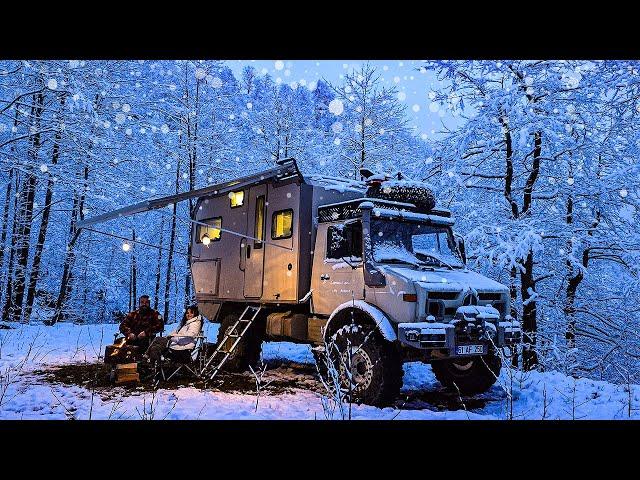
pixel 8 290
pixel 5 222
pixel 27 196
pixel 156 295
pixel 529 313
pixel 44 223
pixel 134 274
pixel 67 271
pixel 172 239
pixel 193 164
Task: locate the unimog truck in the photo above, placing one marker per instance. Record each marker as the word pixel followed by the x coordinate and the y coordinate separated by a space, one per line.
pixel 370 273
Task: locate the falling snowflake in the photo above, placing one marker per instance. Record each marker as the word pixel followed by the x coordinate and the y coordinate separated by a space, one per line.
pixel 396 79
pixel 126 107
pixel 164 128
pixel 52 84
pixel 416 108
pixel 336 141
pixel 128 131
pixel 623 193
pixel 402 96
pixel 120 118
pixel 44 168
pixel 185 175
pixel 570 180
pixel 434 107
pixel 424 136
pixel 200 73
pixel 249 105
pixel 432 95
pixel 336 106
pixel 216 82
pixel 107 124
pixel 336 127
pixel 279 65
pixel 368 122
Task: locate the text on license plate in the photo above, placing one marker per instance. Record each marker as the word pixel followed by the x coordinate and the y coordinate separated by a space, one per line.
pixel 470 349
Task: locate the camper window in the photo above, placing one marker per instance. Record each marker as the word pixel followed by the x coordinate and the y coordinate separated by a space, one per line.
pixel 282 224
pixel 237 198
pixel 259 225
pixel 212 232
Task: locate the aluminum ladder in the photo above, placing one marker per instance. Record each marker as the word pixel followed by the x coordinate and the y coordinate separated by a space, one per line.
pixel 237 331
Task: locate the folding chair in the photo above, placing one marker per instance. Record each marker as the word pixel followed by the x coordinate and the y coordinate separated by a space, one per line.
pixel 174 361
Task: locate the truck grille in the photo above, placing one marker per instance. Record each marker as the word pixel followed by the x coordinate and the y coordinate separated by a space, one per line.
pixel 443 295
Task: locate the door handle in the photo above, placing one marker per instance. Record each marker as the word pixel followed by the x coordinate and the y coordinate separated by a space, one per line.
pixel 325 276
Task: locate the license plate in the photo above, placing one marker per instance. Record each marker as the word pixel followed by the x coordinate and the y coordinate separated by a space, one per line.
pixel 470 349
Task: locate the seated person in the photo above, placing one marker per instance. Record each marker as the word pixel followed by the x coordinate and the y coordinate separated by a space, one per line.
pixel 142 324
pixel 182 338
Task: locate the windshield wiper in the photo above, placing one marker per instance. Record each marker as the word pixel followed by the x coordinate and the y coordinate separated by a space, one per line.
pixel 437 259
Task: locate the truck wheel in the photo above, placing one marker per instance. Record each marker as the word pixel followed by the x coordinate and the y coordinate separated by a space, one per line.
pixel 469 374
pixel 367 368
pixel 247 352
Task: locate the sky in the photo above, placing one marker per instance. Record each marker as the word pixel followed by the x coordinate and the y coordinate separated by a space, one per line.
pixel 414 85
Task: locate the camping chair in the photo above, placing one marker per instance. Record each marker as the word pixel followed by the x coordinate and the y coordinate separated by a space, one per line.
pixel 174 361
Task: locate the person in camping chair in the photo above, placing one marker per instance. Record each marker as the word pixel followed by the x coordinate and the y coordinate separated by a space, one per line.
pixel 182 338
pixel 142 324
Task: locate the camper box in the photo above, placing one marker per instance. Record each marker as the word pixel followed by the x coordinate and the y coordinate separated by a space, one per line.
pixel 253 238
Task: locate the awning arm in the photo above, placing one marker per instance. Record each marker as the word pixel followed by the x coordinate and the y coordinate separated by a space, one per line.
pixel 287 168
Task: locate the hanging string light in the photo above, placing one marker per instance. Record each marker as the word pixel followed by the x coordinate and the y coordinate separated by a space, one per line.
pixel 126 246
pixel 206 240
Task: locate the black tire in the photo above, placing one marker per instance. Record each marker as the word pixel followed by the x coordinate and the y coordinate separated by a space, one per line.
pixel 375 364
pixel 469 375
pixel 247 352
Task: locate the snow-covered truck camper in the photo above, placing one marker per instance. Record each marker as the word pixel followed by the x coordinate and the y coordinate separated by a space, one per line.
pixel 370 273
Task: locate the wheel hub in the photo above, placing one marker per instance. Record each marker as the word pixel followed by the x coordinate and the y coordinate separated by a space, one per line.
pixel 360 367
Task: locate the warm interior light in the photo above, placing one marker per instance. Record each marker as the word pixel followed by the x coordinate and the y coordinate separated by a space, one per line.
pixel 237 198
pixel 126 247
pixel 206 240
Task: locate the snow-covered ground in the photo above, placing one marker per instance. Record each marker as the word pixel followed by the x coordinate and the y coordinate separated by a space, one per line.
pixel 26 394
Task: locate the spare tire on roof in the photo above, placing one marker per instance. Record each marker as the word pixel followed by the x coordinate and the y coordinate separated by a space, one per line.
pixel 405 191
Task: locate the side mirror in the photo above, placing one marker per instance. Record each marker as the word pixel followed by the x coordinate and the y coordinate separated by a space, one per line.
pixel 460 247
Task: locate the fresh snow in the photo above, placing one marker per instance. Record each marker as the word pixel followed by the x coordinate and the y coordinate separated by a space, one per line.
pixel 26 395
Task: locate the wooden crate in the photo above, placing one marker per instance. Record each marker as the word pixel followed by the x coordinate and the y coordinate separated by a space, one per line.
pixel 127 373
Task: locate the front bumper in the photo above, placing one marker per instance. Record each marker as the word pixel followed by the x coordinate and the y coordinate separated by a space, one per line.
pixel 434 335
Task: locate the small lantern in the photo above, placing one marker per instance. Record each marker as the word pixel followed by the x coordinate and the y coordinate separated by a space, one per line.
pixel 206 240
pixel 126 247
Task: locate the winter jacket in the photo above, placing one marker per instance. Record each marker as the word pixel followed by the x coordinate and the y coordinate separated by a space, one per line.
pixel 183 338
pixel 135 322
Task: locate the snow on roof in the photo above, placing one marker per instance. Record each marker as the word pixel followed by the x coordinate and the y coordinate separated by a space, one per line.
pixel 412 216
pixel 336 183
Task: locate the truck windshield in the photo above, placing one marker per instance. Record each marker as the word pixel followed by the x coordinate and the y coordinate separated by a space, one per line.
pixel 394 241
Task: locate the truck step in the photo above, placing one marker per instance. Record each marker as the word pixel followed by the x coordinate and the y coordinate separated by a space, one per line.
pixel 211 367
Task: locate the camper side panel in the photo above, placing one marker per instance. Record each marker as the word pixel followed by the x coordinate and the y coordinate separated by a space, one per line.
pixel 216 267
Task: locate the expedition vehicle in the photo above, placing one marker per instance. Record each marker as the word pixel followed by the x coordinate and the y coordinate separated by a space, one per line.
pixel 371 268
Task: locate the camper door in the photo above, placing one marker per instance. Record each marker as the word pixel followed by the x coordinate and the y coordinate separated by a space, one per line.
pixel 254 249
